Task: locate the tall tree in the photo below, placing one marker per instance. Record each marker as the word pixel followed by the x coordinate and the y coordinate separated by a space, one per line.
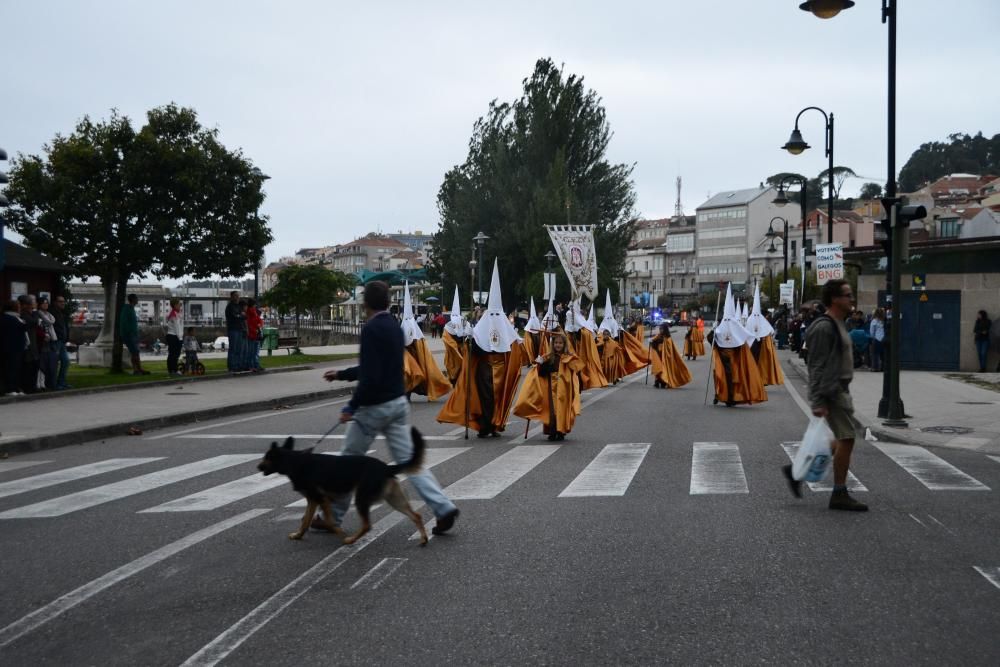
pixel 960 154
pixel 870 191
pixel 540 160
pixel 308 288
pixel 119 203
pixel 840 174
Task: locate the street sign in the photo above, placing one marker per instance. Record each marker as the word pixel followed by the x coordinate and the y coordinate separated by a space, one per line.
pixel 829 262
pixel 787 292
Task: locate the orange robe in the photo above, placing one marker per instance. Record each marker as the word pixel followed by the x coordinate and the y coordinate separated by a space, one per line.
pixel 636 357
pixel 557 391
pixel 746 382
pixel 592 374
pixel 430 381
pixel 767 363
pixel 694 342
pixel 532 346
pixel 612 359
pixel 454 351
pixel 668 367
pixel 504 371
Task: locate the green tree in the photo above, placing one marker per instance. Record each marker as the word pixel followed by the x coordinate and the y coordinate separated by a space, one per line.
pixel 840 174
pixel 871 191
pixel 540 160
pixel 167 199
pixel 307 289
pixel 960 154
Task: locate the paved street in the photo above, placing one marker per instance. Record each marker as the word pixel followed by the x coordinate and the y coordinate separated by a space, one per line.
pixel 659 532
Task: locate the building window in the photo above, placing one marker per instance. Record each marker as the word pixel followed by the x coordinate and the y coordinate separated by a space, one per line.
pixel 949 228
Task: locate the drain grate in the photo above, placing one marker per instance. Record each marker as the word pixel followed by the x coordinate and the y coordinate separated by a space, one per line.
pixel 957 430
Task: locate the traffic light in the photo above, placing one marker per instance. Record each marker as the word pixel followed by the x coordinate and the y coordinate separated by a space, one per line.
pixel 904 216
pixel 3 203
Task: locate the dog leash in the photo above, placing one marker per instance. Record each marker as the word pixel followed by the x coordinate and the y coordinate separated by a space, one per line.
pixel 324 436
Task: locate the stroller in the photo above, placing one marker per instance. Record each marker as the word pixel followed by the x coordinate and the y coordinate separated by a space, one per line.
pixel 191 365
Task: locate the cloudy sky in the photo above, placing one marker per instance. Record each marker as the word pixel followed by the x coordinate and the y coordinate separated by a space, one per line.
pixel 357 110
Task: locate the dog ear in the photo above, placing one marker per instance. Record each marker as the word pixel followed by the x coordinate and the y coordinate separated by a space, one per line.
pixel 274 445
pixel 289 442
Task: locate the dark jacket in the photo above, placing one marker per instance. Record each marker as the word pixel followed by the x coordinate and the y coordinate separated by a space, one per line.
pixel 128 322
pixel 380 373
pixel 825 361
pixel 981 330
pixel 234 317
pixel 61 325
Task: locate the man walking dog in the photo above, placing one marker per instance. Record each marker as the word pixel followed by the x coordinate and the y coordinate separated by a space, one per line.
pixel 379 405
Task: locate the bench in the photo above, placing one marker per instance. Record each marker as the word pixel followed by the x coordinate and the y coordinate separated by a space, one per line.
pixel 290 343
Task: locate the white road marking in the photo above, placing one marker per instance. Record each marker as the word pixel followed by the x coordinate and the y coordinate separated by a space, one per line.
pixel 224 494
pixel 68 475
pixel 374 577
pixel 280 437
pixel 853 483
pixel 248 419
pixel 992 574
pixel 227 642
pixel 946 528
pixel 995 458
pixel 918 521
pixel 793 392
pixel 75 502
pixel 494 477
pixel 929 469
pixel 50 611
pixel 716 467
pixel 610 473
pixel 7 466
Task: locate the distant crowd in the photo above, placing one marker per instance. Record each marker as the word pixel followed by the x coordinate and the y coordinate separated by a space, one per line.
pixel 33 337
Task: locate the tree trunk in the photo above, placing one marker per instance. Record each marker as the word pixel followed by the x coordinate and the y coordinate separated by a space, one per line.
pixel 121 285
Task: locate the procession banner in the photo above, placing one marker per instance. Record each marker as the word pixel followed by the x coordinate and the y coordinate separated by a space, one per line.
pixel 787 292
pixel 575 246
pixel 829 262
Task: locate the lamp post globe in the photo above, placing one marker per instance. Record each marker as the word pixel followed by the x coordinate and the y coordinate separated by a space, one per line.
pixel 796 144
pixel 826 9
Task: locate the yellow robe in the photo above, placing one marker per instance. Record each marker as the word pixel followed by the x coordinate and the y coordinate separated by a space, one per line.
pixel 694 343
pixel 767 363
pixel 636 357
pixel 532 346
pixel 430 381
pixel 454 351
pixel 505 370
pixel 612 359
pixel 747 385
pixel 668 367
pixel 557 392
pixel 593 371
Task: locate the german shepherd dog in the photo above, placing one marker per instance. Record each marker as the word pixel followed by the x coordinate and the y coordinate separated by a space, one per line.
pixel 321 478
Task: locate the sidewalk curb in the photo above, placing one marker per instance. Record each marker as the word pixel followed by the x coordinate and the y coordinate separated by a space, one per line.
pixel 80 436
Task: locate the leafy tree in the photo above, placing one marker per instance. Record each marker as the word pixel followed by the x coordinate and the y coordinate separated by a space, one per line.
pixel 840 174
pixel 307 288
pixel 540 160
pixel 871 191
pixel 960 154
pixel 167 199
pixel 814 188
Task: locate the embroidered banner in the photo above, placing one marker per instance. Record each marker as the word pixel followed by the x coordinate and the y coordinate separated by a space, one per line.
pixel 575 246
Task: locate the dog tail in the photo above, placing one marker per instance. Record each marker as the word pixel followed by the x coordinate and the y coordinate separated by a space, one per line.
pixel 416 460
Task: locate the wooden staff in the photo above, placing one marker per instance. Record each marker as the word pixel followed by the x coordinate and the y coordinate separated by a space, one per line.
pixel 711 347
pixel 649 356
pixel 468 369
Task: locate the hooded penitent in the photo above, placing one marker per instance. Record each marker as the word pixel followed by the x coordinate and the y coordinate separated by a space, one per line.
pixel 532 334
pixel 589 324
pixel 533 325
pixel 494 332
pixel 550 322
pixel 421 374
pixel 454 338
pixel 608 322
pixel 730 333
pixel 456 325
pixel 763 350
pixel 737 379
pixel 757 324
pixel 411 330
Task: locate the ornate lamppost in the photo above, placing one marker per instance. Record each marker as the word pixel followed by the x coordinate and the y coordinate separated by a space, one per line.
pixel 796 145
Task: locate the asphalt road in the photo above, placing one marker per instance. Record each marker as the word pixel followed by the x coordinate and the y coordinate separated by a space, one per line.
pixel 680 545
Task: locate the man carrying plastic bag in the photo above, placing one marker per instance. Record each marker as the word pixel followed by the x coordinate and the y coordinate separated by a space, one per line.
pixel 831 369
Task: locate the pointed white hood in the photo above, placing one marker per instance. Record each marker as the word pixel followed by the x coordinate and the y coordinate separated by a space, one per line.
pixel 589 324
pixel 411 330
pixel 757 324
pixel 550 322
pixel 533 325
pixel 730 333
pixel 608 322
pixel 574 318
pixel 455 325
pixel 744 314
pixel 494 332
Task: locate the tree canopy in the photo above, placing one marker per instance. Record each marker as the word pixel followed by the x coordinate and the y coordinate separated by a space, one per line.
pixel 115 202
pixel 961 154
pixel 540 160
pixel 307 288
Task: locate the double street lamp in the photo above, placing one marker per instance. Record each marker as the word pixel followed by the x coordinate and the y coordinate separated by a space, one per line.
pixel 796 145
pixel 784 239
pixel 480 239
pixel 781 200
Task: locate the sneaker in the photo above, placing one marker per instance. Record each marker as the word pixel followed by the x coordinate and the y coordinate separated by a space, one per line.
pixel 444 523
pixel 840 500
pixel 794 484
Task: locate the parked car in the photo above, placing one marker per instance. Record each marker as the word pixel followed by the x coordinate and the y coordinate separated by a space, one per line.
pixel 220 344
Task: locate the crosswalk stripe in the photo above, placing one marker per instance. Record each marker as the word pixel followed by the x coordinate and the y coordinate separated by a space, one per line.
pixel 7 466
pixel 610 473
pixel 490 480
pixel 217 496
pixel 853 483
pixel 432 457
pixel 992 574
pixel 68 475
pixel 280 437
pixel 75 502
pixel 995 458
pixel 45 614
pixel 374 577
pixel 929 469
pixel 716 467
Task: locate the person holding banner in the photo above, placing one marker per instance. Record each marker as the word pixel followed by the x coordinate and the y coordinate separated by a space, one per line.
pixel 551 390
pixel 668 367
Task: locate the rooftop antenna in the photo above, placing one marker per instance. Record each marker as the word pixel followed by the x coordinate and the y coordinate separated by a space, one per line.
pixel 678 209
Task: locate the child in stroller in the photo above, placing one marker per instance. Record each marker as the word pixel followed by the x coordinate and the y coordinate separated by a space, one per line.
pixel 191 365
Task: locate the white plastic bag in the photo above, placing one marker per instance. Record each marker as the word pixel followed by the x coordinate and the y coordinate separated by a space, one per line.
pixel 813 457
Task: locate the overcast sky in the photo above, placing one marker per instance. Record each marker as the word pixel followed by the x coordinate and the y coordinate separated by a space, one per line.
pixel 357 110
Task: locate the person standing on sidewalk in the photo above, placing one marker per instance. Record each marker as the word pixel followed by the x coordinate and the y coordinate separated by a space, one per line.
pixel 128 328
pixel 175 336
pixel 13 346
pixel 831 368
pixel 62 332
pixel 877 331
pixel 235 325
pixel 379 405
pixel 981 331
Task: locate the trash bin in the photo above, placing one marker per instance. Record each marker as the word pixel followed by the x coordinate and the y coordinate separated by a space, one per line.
pixel 270 339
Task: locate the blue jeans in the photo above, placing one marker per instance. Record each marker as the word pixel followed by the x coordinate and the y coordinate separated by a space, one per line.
pixel 234 357
pixel 63 364
pixel 982 348
pixel 392 419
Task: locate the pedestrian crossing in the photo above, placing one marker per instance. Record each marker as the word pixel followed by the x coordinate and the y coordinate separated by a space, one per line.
pixel 716 468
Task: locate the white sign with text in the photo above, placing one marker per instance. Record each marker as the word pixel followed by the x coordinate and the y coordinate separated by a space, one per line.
pixel 829 262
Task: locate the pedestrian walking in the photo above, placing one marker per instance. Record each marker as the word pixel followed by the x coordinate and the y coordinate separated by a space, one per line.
pixel 831 369
pixel 62 334
pixel 175 336
pixel 981 333
pixel 379 405
pixel 128 329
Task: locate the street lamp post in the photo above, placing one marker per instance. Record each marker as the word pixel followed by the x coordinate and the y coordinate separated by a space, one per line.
pixel 784 237
pixel 3 203
pixel 480 240
pixel 890 406
pixel 796 145
pixel 781 200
